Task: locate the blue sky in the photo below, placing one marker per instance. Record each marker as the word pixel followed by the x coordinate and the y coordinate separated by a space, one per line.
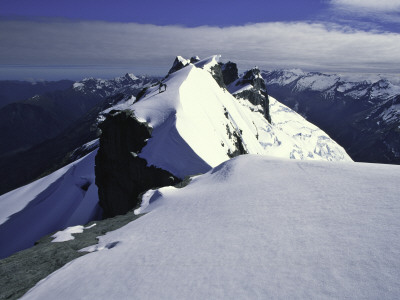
pixel 172 12
pixel 73 39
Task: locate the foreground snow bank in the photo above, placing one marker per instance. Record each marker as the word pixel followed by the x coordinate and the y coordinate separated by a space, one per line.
pixel 253 227
pixel 64 198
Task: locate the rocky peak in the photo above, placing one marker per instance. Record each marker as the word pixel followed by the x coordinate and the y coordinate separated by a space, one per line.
pixel 251 86
pixel 194 59
pixel 254 78
pixel 121 175
pixel 130 76
pixel 381 84
pixel 178 64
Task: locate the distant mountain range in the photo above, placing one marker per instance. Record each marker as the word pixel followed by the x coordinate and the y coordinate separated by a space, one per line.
pixel 15 90
pixel 41 117
pixel 362 116
pixel 36 134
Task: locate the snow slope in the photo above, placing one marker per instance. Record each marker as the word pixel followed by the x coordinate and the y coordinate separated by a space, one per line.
pixel 254 227
pixel 64 198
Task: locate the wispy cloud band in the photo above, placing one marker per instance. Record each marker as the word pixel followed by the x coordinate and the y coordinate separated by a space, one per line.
pixel 313 46
pixel 373 5
pixel 382 11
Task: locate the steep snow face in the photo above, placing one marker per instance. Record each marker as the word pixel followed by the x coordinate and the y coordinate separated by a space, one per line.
pixel 291 136
pixel 253 227
pixel 64 198
pixel 197 125
pixel 288 135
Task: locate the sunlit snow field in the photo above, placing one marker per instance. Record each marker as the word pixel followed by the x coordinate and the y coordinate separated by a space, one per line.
pixel 253 227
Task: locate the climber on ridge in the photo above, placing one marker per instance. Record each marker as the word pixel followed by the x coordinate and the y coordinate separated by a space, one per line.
pixel 161 86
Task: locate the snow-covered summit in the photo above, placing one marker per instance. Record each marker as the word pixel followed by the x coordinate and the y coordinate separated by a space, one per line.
pixel 178 64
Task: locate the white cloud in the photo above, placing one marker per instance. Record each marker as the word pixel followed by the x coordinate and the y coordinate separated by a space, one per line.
pixel 324 47
pixel 370 12
pixel 372 5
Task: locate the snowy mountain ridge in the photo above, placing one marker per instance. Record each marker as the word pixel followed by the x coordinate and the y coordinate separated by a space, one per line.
pixel 375 88
pixel 229 122
pixel 108 87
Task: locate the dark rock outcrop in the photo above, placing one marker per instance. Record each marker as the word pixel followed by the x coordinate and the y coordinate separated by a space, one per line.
pixel 121 175
pixel 194 59
pixel 236 137
pixel 258 94
pixel 142 93
pixel 254 78
pixel 216 73
pixel 229 72
pixel 238 144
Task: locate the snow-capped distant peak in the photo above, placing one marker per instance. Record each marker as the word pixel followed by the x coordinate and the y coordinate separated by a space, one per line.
pixel 354 86
pixel 131 76
pixel 126 84
pixel 78 85
pixel 296 71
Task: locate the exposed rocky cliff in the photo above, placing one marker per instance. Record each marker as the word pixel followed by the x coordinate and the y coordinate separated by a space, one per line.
pixel 178 64
pixel 250 86
pixel 121 176
pixel 229 71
